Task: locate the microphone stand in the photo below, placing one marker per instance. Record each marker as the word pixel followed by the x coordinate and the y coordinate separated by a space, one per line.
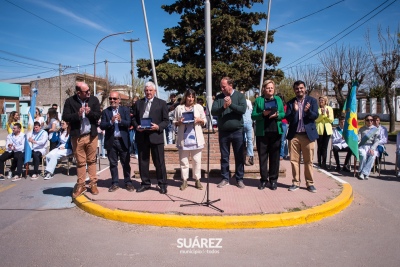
pixel 208 203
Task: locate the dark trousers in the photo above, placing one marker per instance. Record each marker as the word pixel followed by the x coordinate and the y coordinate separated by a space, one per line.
pixel 225 140
pixel 37 156
pixel 268 148
pixel 157 155
pixel 53 145
pixel 336 155
pixel 322 142
pixel 18 161
pixel 119 150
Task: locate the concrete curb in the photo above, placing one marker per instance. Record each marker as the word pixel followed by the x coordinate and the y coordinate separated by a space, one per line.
pixel 317 213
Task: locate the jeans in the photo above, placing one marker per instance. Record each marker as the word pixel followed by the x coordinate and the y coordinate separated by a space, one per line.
pixel 366 160
pixel 168 132
pixel 284 147
pixel 248 136
pixel 133 148
pixel 101 139
pixel 225 140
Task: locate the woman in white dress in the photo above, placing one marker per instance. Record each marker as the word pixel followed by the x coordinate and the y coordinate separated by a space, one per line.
pixel 64 149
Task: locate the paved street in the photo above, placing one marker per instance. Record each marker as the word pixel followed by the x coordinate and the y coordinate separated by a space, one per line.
pixel 39 226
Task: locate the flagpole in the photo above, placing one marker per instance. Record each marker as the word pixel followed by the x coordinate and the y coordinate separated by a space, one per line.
pixel 150 49
pixel 265 46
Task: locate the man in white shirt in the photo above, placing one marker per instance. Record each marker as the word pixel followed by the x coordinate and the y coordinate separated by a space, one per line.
pixel 14 150
pixel 339 144
pixel 383 132
pixel 39 145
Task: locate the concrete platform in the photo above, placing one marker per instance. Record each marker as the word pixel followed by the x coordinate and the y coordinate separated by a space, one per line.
pixel 243 208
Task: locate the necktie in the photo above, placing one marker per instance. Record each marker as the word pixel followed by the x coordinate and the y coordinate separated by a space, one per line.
pixel 147 110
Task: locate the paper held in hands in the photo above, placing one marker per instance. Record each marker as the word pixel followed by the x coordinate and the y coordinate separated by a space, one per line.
pixel 145 123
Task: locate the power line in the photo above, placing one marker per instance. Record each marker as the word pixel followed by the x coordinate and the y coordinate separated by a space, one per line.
pixel 287 66
pixel 306 16
pixel 16 55
pixel 23 63
pixel 35 74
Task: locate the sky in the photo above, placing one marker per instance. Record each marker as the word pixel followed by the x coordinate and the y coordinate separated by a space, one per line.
pixel 38 35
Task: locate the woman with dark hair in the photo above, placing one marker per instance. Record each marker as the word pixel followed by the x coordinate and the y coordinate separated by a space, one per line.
pixel 268 114
pixel 284 147
pixel 39 118
pixel 324 129
pixel 64 149
pixel 190 139
pixel 13 118
pixel 368 141
pixel 53 126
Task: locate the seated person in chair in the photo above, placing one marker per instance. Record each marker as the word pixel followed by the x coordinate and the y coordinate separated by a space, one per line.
pixel 15 145
pixel 63 149
pixel 339 144
pixel 383 132
pixel 38 139
pixel 368 140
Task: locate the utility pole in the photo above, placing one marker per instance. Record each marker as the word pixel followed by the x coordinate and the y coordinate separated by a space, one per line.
pixel 132 67
pixel 59 75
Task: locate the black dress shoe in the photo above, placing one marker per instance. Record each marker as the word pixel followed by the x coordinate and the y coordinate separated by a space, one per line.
pixel 143 188
pixel 345 169
pixel 262 185
pixel 163 189
pixel 273 185
pixel 130 188
pixel 337 168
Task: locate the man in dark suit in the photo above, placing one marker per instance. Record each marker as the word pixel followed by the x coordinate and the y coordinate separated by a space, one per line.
pixel 115 121
pixel 82 112
pixel 301 113
pixel 151 139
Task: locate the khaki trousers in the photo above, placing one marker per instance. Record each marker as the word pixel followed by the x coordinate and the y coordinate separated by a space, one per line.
pixel 85 148
pixel 196 163
pixel 300 144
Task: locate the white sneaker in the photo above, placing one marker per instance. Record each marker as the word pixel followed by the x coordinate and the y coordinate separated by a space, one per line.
pixel 103 157
pixel 34 177
pixel 361 176
pixel 16 178
pixel 398 174
pixel 9 176
pixel 48 176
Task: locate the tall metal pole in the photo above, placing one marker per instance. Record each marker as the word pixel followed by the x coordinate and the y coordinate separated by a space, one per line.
pixel 59 75
pixel 132 65
pixel 94 71
pixel 150 49
pixel 265 46
pixel 207 19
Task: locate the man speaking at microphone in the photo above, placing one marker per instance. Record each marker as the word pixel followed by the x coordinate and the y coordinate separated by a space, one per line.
pixel 115 121
pixel 82 112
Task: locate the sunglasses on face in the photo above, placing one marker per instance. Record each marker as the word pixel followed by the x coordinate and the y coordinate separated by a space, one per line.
pixel 369 120
pixel 113 98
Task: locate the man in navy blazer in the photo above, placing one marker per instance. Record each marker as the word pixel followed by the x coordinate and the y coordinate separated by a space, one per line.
pixel 301 113
pixel 151 139
pixel 115 121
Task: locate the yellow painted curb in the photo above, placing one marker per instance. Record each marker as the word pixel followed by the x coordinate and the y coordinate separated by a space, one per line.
pixel 223 222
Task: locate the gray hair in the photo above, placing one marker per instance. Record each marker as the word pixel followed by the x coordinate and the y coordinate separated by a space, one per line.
pixel 150 84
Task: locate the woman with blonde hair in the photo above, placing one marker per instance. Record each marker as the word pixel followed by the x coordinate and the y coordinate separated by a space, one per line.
pixel 39 118
pixel 268 113
pixel 13 118
pixel 190 139
pixel 324 129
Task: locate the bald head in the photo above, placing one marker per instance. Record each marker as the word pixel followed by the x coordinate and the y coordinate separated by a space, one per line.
pixel 114 99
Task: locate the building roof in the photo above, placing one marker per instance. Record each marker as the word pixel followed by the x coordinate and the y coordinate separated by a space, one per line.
pixel 10 90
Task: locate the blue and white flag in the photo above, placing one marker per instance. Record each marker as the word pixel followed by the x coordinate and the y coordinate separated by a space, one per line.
pixel 28 132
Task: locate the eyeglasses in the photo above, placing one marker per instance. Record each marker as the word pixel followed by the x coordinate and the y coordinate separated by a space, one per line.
pixel 113 98
pixel 85 92
pixel 369 120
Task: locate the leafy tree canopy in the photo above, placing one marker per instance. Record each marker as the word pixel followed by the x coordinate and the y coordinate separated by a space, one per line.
pixel 236 48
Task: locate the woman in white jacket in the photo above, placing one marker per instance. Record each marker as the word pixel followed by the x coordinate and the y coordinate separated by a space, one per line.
pixel 190 139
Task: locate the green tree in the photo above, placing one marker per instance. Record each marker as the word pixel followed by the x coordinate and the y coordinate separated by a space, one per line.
pixel 285 87
pixel 236 48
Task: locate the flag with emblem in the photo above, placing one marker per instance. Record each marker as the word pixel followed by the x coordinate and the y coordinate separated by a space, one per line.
pixel 350 130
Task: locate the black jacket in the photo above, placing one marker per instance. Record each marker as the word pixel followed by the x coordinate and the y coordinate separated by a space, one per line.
pixel 70 114
pixel 123 126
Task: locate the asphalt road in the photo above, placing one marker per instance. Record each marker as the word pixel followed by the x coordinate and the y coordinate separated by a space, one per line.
pixel 39 226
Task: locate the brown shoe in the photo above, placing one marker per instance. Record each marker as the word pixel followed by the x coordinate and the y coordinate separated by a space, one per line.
pixel 78 190
pixel 113 188
pixel 93 189
pixel 130 188
pixel 198 185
